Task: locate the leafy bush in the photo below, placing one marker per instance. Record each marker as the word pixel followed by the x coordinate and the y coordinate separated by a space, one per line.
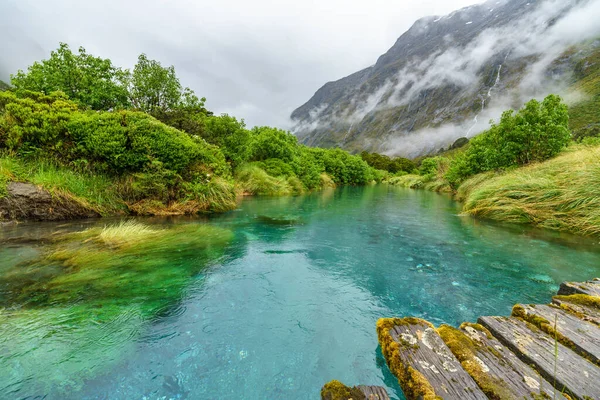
pixel 344 168
pixel 231 136
pixel 129 141
pixel 535 133
pixel 276 167
pixel 429 167
pixel 273 143
pixel 307 168
pixel 385 163
pixel 34 122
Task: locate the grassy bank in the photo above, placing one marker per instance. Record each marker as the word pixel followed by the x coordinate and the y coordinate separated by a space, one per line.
pixel 97 192
pixel 562 193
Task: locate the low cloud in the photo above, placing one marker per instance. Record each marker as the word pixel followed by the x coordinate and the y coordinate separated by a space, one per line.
pixel 542 35
pixel 257 60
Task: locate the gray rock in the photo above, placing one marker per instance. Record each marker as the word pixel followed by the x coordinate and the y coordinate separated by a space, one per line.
pixel 26 201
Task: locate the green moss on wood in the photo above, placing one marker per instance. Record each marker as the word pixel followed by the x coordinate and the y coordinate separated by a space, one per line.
pixel 336 390
pixel 544 325
pixel 413 383
pixel 581 300
pixel 465 350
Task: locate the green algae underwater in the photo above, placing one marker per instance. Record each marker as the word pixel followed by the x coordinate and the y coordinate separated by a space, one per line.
pixel 91 292
pixel 271 300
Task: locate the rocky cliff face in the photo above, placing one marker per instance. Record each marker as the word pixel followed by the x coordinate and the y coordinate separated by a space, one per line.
pixel 447 76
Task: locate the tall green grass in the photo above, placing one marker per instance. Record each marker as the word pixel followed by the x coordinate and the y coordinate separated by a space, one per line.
pixel 93 190
pixel 253 180
pixel 562 193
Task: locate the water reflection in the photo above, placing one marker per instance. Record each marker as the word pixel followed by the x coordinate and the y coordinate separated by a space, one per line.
pixel 288 302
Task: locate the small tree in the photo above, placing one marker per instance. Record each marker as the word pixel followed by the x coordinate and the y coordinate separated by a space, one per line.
pixel 90 81
pixel 153 86
pixel 536 133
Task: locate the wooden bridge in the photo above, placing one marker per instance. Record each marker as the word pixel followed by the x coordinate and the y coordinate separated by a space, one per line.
pixel 540 352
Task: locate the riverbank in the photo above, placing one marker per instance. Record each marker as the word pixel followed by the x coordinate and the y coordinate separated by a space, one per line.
pixel 562 193
pixel 39 190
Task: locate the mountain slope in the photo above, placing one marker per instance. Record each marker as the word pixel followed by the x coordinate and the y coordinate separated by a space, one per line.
pixel 447 76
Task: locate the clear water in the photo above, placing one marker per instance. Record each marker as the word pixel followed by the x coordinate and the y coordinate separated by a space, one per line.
pixel 289 304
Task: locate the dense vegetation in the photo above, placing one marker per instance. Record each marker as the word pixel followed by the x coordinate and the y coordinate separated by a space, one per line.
pixel 528 168
pixel 535 133
pixel 155 142
pixel 386 163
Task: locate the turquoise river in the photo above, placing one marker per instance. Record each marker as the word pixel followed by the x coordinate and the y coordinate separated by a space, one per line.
pixel 269 301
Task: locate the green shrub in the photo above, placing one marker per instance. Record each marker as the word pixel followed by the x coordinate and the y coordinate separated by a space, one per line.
pixel 344 168
pixel 385 163
pixel 35 123
pixel 429 168
pixel 273 143
pixel 129 141
pixel 536 133
pixel 231 136
pixel 276 167
pixel 307 168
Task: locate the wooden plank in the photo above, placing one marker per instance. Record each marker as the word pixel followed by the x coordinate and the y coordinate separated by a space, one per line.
pixel 574 374
pixel 497 370
pixel 573 305
pixel 336 390
pixel 580 336
pixel 591 288
pixel 374 392
pixel 422 362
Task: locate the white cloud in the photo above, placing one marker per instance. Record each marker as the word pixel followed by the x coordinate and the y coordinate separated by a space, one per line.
pixel 459 66
pixel 258 59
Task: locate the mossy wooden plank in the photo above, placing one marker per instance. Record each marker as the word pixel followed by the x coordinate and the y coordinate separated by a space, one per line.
pixel 336 390
pixel 585 310
pixel 497 370
pixel 425 367
pixel 591 288
pixel 574 375
pixel 580 336
pixel 374 392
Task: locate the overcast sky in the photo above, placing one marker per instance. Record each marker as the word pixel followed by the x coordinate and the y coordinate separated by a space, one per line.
pixel 257 60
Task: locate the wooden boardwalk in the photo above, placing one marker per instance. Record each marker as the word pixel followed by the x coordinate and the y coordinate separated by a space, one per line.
pixel 540 352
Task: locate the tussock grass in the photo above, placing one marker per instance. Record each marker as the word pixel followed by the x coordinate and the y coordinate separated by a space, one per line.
pixel 327 181
pixel 411 181
pixel 562 193
pixel 93 191
pixel 253 180
pixel 465 189
pixel 218 195
pixel 126 232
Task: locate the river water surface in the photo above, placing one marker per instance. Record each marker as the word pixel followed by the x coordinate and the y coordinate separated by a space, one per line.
pixel 287 304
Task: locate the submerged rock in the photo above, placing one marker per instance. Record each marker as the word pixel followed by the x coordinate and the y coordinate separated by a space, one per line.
pixel 26 201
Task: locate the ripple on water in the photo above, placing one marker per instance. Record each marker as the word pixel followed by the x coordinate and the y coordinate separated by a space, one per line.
pixel 287 306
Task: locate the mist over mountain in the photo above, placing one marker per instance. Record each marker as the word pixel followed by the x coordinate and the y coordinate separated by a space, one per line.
pixel 446 77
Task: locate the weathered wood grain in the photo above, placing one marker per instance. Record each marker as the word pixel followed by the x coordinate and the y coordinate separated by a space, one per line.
pixel 591 288
pixel 374 392
pixel 336 390
pixel 580 336
pixel 574 374
pixel 496 369
pixel 585 312
pixel 421 349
